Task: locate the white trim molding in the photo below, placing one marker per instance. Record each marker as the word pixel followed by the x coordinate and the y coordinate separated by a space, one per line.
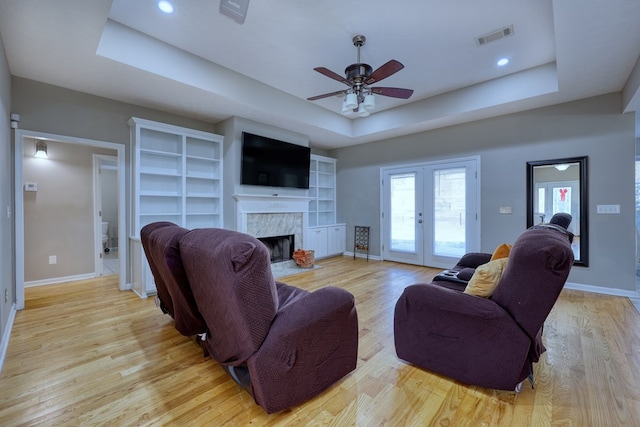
pixel 601 290
pixel 55 280
pixel 6 335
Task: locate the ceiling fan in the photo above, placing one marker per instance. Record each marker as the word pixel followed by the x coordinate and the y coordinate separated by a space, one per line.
pixel 359 96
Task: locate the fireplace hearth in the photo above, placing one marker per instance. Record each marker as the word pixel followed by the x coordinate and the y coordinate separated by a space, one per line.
pixel 280 247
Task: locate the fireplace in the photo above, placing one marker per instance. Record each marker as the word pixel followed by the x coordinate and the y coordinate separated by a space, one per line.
pixel 280 247
pixel 267 216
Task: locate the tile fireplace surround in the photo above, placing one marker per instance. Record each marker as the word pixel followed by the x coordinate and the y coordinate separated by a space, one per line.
pixel 268 216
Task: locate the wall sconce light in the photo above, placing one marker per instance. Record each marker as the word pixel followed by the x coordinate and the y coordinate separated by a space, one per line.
pixel 41 150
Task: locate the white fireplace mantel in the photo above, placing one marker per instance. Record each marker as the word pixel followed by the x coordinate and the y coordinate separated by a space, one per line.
pixel 247 204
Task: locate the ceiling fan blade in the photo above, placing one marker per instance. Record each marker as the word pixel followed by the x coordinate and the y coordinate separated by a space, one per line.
pixel 393 92
pixel 327 95
pixel 384 71
pixel 335 76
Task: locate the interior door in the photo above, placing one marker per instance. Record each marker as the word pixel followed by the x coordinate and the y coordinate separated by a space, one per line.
pixel 429 213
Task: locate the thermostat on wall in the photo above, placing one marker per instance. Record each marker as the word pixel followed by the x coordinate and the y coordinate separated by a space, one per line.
pixel 30 186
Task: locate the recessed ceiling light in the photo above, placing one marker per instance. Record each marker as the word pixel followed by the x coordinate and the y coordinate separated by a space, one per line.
pixel 165 6
pixel 502 62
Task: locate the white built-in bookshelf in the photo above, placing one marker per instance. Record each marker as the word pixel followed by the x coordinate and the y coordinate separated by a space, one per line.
pixel 177 177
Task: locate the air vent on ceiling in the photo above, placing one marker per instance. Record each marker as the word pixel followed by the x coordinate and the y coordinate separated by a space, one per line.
pixel 495 35
pixel 235 9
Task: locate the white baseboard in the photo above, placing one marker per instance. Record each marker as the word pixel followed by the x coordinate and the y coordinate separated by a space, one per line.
pixel 361 255
pixel 601 290
pixel 55 280
pixel 6 335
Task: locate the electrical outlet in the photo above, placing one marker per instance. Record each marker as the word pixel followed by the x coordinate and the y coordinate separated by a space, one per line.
pixel 53 259
pixel 608 209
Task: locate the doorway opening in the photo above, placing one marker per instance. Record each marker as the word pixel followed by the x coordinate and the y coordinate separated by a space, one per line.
pixel 24 139
pixel 105 172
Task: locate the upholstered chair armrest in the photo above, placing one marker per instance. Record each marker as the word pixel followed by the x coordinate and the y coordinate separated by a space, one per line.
pixel 473 260
pixel 313 342
pixel 465 337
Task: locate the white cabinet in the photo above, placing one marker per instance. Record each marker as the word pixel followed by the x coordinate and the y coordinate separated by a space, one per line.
pixel 322 191
pixel 337 239
pixel 327 241
pixel 318 241
pixel 177 177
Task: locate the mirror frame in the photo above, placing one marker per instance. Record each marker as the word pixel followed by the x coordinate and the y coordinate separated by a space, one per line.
pixel 584 201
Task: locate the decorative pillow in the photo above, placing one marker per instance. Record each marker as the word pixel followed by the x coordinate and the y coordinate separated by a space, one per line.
pixel 501 251
pixel 486 277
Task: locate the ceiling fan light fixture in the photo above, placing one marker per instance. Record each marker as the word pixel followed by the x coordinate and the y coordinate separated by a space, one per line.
pixel 360 97
pixel 346 111
pixel 369 102
pixel 351 101
pixel 362 111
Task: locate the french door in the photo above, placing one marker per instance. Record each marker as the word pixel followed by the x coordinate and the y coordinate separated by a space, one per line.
pixel 429 212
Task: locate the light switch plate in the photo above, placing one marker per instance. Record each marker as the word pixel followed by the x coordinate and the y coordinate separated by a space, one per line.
pixel 506 210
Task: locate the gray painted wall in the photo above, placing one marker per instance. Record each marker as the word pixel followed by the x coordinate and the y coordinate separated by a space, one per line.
pixel 58 218
pixel 52 109
pixel 592 127
pixel 7 276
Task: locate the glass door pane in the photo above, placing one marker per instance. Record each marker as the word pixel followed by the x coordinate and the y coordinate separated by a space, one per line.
pixel 449 212
pixel 402 238
pixel 403 209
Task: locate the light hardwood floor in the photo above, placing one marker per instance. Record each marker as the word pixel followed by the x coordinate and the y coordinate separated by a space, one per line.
pixel 84 353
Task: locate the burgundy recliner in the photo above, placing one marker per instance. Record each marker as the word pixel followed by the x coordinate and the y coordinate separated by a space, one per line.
pixel 284 345
pixel 160 244
pixel 489 342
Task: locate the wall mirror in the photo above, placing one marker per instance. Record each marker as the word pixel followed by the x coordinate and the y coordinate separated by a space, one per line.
pixel 560 185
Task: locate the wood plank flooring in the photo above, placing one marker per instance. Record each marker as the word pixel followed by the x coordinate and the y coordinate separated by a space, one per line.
pixel 84 353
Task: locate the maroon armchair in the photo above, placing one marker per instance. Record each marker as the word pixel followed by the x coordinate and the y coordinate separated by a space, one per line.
pixel 160 243
pixel 283 344
pixel 489 342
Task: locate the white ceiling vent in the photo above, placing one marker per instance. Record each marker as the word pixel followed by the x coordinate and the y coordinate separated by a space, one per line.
pixel 495 35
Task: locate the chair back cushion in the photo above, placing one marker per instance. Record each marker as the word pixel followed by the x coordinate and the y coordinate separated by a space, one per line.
pixel 538 267
pixel 230 275
pixel 166 304
pixel 161 245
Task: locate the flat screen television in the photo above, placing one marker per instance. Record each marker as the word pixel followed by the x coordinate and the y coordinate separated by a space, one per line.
pixel 273 163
